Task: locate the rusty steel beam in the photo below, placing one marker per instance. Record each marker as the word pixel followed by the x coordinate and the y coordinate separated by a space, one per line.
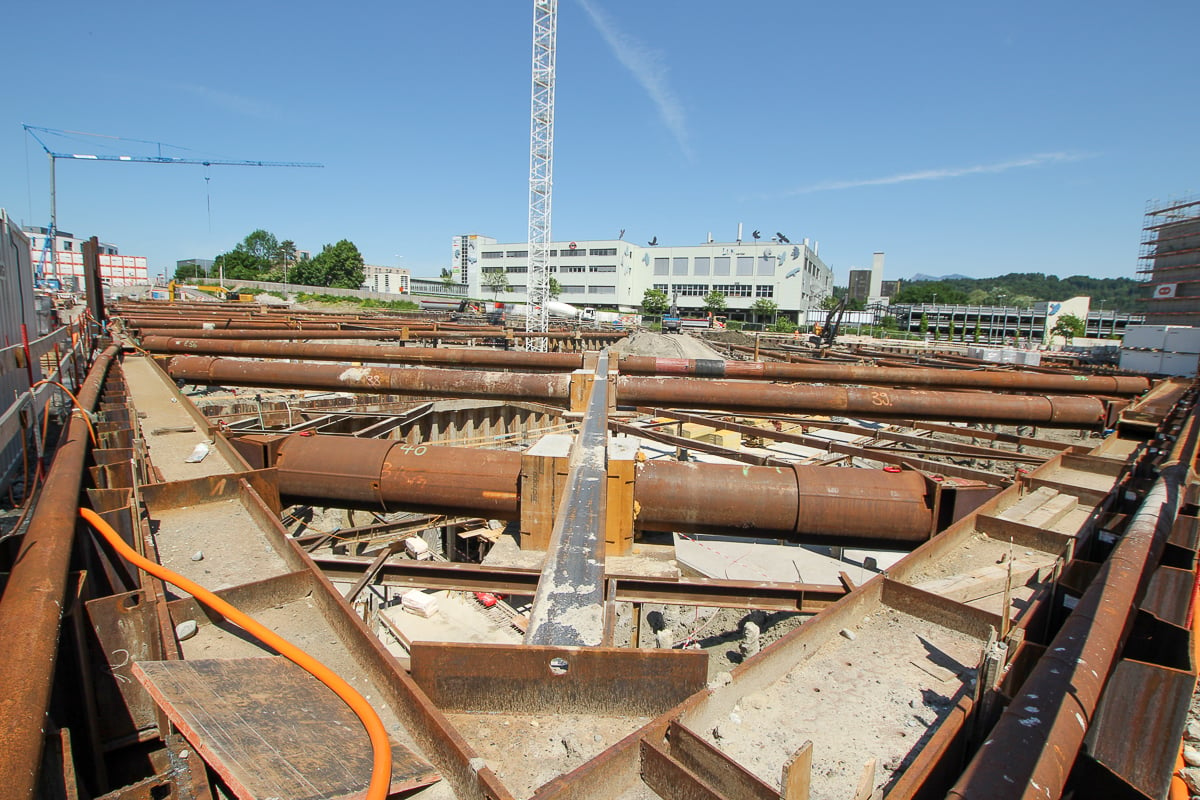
pixel 478 359
pixel 34 599
pixel 813 504
pixel 568 609
pixel 889 404
pixel 894 457
pixel 886 376
pixel 414 381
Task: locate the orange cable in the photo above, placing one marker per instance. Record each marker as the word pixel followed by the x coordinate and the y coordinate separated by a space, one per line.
pixel 381 769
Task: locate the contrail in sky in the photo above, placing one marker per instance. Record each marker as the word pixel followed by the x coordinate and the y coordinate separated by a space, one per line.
pixel 648 69
pixel 942 174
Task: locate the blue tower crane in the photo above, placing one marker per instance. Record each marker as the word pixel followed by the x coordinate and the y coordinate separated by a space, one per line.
pixel 54 156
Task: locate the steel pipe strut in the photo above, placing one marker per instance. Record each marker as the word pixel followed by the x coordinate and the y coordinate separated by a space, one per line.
pixel 748 396
pixel 852 401
pixel 886 376
pixel 419 381
pixel 504 359
pixel 34 599
pixel 815 505
pixel 809 504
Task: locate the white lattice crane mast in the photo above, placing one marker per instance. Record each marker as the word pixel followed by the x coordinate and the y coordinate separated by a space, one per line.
pixel 541 169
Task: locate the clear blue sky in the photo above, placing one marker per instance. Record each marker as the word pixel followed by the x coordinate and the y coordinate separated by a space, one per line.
pixel 977 138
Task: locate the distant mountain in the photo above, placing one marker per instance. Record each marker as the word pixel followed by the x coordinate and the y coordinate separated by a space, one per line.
pixel 920 276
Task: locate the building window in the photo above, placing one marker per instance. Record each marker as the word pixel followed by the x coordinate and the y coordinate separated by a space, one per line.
pixel 571 289
pixel 572 269
pixel 492 254
pixel 745 265
pixel 67 243
pixel 602 290
pixel 700 265
pixel 689 289
pixel 573 253
pixel 516 269
pixel 603 268
pixel 492 269
pixel 721 265
pixel 766 265
pixel 603 251
pixel 766 290
pixel 662 266
pixel 679 266
pixel 517 254
pixel 734 289
pixel 662 287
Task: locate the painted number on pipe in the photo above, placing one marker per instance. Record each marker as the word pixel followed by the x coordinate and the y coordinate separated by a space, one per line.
pixel 880 399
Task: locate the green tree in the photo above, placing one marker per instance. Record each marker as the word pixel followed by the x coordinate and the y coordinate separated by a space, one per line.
pixel 976 330
pixel 498 282
pixel 923 326
pixel 830 303
pixel 764 307
pixel 714 301
pixel 554 289
pixel 340 265
pixel 238 265
pixel 655 301
pixel 261 244
pixel 187 272
pixel 1068 326
pixel 447 277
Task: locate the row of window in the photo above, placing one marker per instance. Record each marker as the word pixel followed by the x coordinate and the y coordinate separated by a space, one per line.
pixel 552 268
pixel 727 289
pixel 595 251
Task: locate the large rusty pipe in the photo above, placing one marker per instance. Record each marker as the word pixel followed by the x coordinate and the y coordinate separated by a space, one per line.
pixel 750 396
pixel 1032 749
pixel 886 376
pixel 738 396
pixel 413 381
pixel 465 334
pixel 34 599
pixel 385 474
pixel 814 505
pixel 503 359
pixel 810 504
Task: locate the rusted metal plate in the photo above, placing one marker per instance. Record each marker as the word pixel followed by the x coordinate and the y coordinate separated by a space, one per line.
pixel 671 780
pixel 1139 722
pixel 805 597
pixel 1169 595
pixel 126 631
pixel 714 767
pixel 537 679
pixel 272 730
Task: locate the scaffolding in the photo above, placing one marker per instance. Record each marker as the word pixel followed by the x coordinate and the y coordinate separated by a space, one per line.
pixel 1170 261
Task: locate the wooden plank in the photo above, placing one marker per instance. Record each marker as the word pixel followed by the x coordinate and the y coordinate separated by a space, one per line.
pixel 797 774
pixel 272 730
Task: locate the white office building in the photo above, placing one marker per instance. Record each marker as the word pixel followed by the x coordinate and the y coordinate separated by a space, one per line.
pixel 386 280
pixel 613 273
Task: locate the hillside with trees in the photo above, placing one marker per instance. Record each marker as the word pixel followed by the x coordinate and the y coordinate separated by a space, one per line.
pixel 1022 290
pixel 261 256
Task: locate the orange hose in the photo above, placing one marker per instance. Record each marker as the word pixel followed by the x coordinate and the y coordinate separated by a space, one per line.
pixel 381 768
